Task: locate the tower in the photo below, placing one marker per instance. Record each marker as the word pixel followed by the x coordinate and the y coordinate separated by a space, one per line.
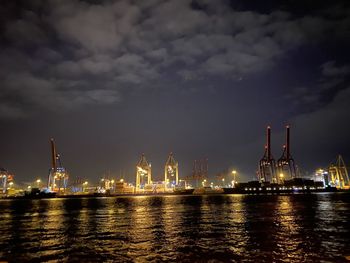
pixel 171 172
pixel 267 162
pixel 143 173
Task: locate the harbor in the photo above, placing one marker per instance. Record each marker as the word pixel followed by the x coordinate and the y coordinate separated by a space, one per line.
pixel 281 177
pixel 209 131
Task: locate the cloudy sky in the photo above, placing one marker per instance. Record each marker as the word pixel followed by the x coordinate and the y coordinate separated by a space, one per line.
pixel 110 80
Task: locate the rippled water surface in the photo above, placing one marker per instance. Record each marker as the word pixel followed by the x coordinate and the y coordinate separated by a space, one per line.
pixel 222 228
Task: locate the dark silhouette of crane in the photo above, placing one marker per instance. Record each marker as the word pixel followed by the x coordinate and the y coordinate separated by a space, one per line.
pixel 286 165
pixel 267 164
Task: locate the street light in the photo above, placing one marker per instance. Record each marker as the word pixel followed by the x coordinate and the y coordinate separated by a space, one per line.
pixel 84 185
pixel 281 177
pixel 38 182
pixel 112 185
pixel 234 172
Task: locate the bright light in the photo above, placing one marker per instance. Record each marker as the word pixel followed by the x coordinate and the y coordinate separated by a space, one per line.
pixel 29 187
pixel 38 181
pixel 223 179
pixel 85 183
pixel 10 183
pixel 281 175
pixel 121 180
pixel 112 181
pixel 234 172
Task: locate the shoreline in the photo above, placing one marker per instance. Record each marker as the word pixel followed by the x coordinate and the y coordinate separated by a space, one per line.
pixel 227 191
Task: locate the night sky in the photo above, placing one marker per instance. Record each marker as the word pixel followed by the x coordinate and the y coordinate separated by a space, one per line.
pixel 110 80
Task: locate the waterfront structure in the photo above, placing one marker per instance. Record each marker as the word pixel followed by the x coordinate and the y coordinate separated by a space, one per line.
pixel 58 176
pixel 122 187
pixel 171 172
pixel 321 175
pixel 106 185
pixel 286 164
pixel 199 171
pixel 78 185
pixel 338 174
pixel 6 179
pixel 143 173
pixel 267 164
pixel 271 176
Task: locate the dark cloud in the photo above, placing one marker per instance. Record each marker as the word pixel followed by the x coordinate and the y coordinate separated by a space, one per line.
pixel 329 69
pixel 323 133
pixel 333 79
pixel 118 44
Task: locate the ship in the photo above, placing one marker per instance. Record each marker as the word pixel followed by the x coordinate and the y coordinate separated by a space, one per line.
pixel 36 193
pixel 207 190
pixel 183 191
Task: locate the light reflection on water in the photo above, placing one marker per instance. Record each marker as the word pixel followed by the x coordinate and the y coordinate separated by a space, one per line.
pixel 221 228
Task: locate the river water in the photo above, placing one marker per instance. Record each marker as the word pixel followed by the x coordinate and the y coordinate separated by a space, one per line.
pixel 212 228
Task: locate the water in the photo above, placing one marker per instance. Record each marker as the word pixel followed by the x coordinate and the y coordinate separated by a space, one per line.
pixel 221 228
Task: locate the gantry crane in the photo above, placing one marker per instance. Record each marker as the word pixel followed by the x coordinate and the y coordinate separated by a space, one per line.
pixel 338 174
pixel 6 177
pixel 200 170
pixel 143 173
pixel 171 172
pixel 267 164
pixel 286 165
pixel 58 176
